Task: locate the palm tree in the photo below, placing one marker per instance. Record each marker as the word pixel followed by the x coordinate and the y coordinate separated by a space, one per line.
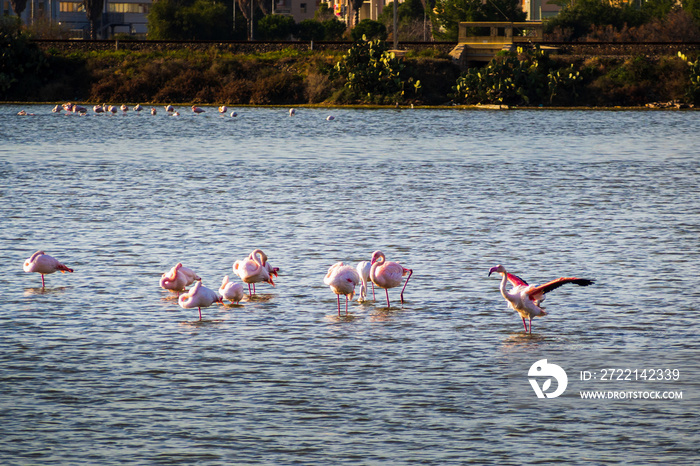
pixel 93 9
pixel 18 7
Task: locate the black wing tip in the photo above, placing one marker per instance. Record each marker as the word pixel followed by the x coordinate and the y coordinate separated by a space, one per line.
pixel 584 282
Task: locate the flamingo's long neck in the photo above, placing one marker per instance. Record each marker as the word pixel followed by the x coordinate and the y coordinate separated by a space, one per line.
pixel 373 270
pixel 504 292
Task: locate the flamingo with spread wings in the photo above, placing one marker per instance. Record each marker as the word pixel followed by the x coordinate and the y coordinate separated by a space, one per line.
pixel 526 299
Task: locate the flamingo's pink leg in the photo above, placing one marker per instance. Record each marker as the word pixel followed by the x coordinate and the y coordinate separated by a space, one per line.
pixel 410 272
pixel 42 280
pixel 338 296
pixel 200 313
pixel 524 324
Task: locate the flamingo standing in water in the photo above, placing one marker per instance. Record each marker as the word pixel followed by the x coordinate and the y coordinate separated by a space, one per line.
pixel 178 278
pixel 199 296
pixel 169 108
pixel 42 263
pixel 253 269
pixel 363 269
pixel 525 299
pixel 153 111
pixel 342 279
pixel 388 274
pixel 138 108
pixel 223 109
pixel 197 110
pixel 231 291
pixel 292 112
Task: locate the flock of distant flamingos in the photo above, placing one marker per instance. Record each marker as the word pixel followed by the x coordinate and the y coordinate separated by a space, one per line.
pixel 104 108
pixel 342 279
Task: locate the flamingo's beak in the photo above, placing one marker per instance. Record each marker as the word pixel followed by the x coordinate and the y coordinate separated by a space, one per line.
pixel 492 270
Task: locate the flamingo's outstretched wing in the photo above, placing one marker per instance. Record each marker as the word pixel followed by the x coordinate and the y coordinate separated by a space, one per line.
pixel 515 280
pixel 554 284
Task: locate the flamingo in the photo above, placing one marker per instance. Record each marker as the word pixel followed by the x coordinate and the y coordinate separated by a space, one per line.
pixel 292 112
pixel 253 269
pixel 223 109
pixel 525 299
pixel 153 111
pixel 112 109
pixel 169 108
pixel 178 278
pixel 138 108
pixel 197 110
pixel 42 263
pixel 68 107
pixel 388 274
pixel 231 291
pixel 234 114
pixel 363 269
pixel 98 109
pixel 57 109
pixel 199 296
pixel 124 108
pixel 78 109
pixel 342 279
pixel 22 113
pixel 330 118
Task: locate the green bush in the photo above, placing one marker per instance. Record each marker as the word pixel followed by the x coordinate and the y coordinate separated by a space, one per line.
pixel 276 27
pixel 374 74
pixel 527 77
pixel 334 29
pixel 310 29
pixel 692 93
pixel 22 64
pixel 370 29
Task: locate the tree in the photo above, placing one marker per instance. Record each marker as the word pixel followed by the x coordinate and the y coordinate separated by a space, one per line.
pixel 370 29
pixel 93 10
pixel 18 6
pixel 187 20
pixel 276 27
pixel 447 14
pixel 356 5
pixel 580 17
pixel 334 29
pixel 310 29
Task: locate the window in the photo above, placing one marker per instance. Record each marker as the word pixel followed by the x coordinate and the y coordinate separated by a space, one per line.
pixel 302 7
pixel 71 7
pixel 127 8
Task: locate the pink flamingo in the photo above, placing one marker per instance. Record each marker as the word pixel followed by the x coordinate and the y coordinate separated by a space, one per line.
pixel 124 108
pixel 223 109
pixel 388 274
pixel 363 269
pixel 169 108
pixel 342 279
pixel 231 291
pixel 98 109
pixel 178 278
pixel 525 299
pixel 138 108
pixel 253 269
pixel 199 296
pixel 42 263
pixel 153 111
pixel 196 109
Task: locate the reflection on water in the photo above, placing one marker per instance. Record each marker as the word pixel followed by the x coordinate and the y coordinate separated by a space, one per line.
pixel 108 369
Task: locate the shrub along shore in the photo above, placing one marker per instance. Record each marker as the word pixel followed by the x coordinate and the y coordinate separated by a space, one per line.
pixel 366 73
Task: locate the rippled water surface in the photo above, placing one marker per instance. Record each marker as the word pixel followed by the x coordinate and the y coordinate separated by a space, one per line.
pixel 103 367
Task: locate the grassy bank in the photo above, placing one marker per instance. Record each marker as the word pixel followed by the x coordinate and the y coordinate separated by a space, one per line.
pixel 294 77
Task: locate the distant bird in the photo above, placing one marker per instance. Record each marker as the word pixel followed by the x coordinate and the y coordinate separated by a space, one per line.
pixel 112 109
pixel 178 278
pixel 292 112
pixel 234 114
pixel 199 296
pixel 57 109
pixel 231 291
pixel 388 274
pixel 253 269
pixel 223 109
pixel 363 269
pixel 176 113
pixel 22 113
pixel 68 107
pixel 525 299
pixel 169 108
pixel 78 109
pixel 342 279
pixel 153 111
pixel 197 110
pixel 124 108
pixel 330 118
pixel 98 109
pixel 42 263
pixel 138 108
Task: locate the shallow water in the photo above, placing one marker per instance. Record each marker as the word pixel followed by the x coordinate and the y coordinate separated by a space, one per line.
pixel 102 366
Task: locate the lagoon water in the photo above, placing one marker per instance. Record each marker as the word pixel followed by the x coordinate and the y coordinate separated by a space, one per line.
pixel 103 367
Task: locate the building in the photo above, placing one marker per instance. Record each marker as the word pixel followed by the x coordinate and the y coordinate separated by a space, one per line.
pixel 119 16
pixel 537 10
